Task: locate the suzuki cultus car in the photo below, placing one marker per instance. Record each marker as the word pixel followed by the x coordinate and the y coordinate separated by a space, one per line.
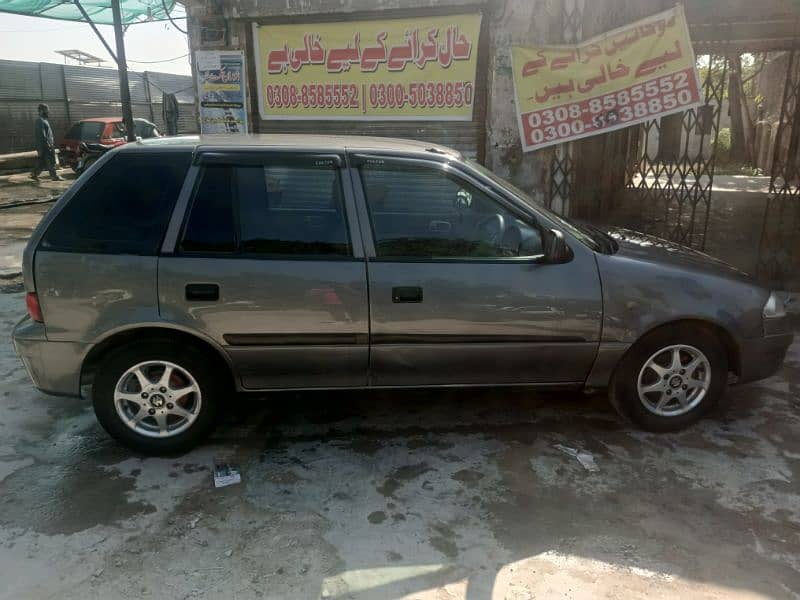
pixel 282 262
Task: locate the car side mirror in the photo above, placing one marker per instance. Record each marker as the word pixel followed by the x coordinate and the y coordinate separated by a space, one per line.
pixel 555 247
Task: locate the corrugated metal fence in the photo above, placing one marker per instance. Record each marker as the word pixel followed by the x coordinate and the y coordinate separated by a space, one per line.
pixel 75 93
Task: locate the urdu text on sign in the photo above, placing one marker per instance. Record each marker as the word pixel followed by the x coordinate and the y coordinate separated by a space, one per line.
pixel 221 91
pixel 393 69
pixel 633 74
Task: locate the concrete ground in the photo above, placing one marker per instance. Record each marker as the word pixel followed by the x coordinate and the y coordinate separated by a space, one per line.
pixel 426 495
pixel 20 187
pixel 16 225
pixel 429 495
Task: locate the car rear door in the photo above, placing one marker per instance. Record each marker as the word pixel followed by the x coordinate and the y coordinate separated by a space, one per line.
pixel 458 291
pixel 268 263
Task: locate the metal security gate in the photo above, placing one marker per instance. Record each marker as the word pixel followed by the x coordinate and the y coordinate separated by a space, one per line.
pixel 464 136
pixel 779 249
pixel 562 163
pixel 671 164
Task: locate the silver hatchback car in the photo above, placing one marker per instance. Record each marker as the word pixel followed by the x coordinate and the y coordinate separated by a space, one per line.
pixel 177 271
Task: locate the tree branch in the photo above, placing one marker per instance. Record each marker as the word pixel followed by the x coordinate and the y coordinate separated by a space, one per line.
pixel 757 71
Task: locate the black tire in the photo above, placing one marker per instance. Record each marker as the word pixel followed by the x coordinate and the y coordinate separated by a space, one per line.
pixel 89 162
pixel 623 391
pixel 190 359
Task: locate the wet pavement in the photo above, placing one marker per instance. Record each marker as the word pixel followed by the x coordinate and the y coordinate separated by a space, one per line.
pixel 16 225
pixel 423 494
pixel 22 204
pixel 21 188
pixel 418 494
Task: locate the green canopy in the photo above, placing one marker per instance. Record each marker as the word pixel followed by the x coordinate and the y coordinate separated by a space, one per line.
pixel 133 11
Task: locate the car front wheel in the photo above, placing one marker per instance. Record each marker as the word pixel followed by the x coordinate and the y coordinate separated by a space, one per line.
pixel 156 397
pixel 671 378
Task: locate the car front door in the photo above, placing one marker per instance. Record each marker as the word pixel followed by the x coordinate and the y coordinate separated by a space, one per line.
pixel 459 293
pixel 267 264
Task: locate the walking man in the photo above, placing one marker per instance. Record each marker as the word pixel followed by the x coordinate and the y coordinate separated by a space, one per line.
pixel 45 145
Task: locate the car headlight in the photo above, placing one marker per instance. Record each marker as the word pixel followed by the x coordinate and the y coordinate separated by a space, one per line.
pixel 775 307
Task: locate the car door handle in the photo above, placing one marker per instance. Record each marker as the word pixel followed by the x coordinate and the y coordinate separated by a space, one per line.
pixel 407 294
pixel 440 226
pixel 202 291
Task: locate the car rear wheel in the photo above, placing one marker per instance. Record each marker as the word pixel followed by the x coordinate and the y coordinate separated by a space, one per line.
pixel 156 397
pixel 671 378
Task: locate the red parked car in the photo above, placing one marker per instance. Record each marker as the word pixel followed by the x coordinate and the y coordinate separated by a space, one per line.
pixel 108 131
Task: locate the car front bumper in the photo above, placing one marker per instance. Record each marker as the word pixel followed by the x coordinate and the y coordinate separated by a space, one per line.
pixel 762 357
pixel 54 367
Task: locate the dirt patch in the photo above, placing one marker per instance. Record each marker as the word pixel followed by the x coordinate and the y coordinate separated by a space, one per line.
pixel 376 517
pixel 401 476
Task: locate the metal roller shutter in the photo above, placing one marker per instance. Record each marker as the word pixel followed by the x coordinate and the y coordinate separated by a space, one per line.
pixel 20 81
pixel 464 136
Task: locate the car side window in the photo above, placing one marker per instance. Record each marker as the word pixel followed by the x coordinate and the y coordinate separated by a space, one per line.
pixel 426 212
pixel 276 209
pixel 210 227
pixel 124 208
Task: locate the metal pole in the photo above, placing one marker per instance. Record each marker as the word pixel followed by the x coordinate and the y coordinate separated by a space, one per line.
pixel 66 94
pixel 122 69
pixel 149 97
pixel 95 29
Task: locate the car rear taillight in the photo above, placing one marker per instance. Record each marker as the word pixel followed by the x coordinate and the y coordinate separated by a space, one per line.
pixel 34 310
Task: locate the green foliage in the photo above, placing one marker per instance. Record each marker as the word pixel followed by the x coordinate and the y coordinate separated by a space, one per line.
pixel 751 66
pixel 722 149
pixel 723 163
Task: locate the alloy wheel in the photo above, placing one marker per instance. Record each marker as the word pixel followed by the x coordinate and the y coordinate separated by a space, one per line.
pixel 674 380
pixel 157 399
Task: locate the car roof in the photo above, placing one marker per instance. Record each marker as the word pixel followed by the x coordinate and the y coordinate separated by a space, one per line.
pixel 101 120
pixel 109 120
pixel 291 141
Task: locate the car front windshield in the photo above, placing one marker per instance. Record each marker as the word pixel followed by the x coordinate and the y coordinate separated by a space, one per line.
pixel 587 236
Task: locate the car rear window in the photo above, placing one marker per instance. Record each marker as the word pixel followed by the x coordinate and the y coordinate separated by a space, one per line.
pixel 124 208
pixel 86 131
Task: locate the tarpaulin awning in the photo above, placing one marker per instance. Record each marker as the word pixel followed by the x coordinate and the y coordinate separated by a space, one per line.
pixel 133 11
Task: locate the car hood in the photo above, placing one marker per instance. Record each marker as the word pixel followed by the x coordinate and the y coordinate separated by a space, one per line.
pixel 649 248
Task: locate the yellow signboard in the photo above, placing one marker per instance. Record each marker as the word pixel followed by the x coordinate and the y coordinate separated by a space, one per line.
pixel 633 74
pixel 416 68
